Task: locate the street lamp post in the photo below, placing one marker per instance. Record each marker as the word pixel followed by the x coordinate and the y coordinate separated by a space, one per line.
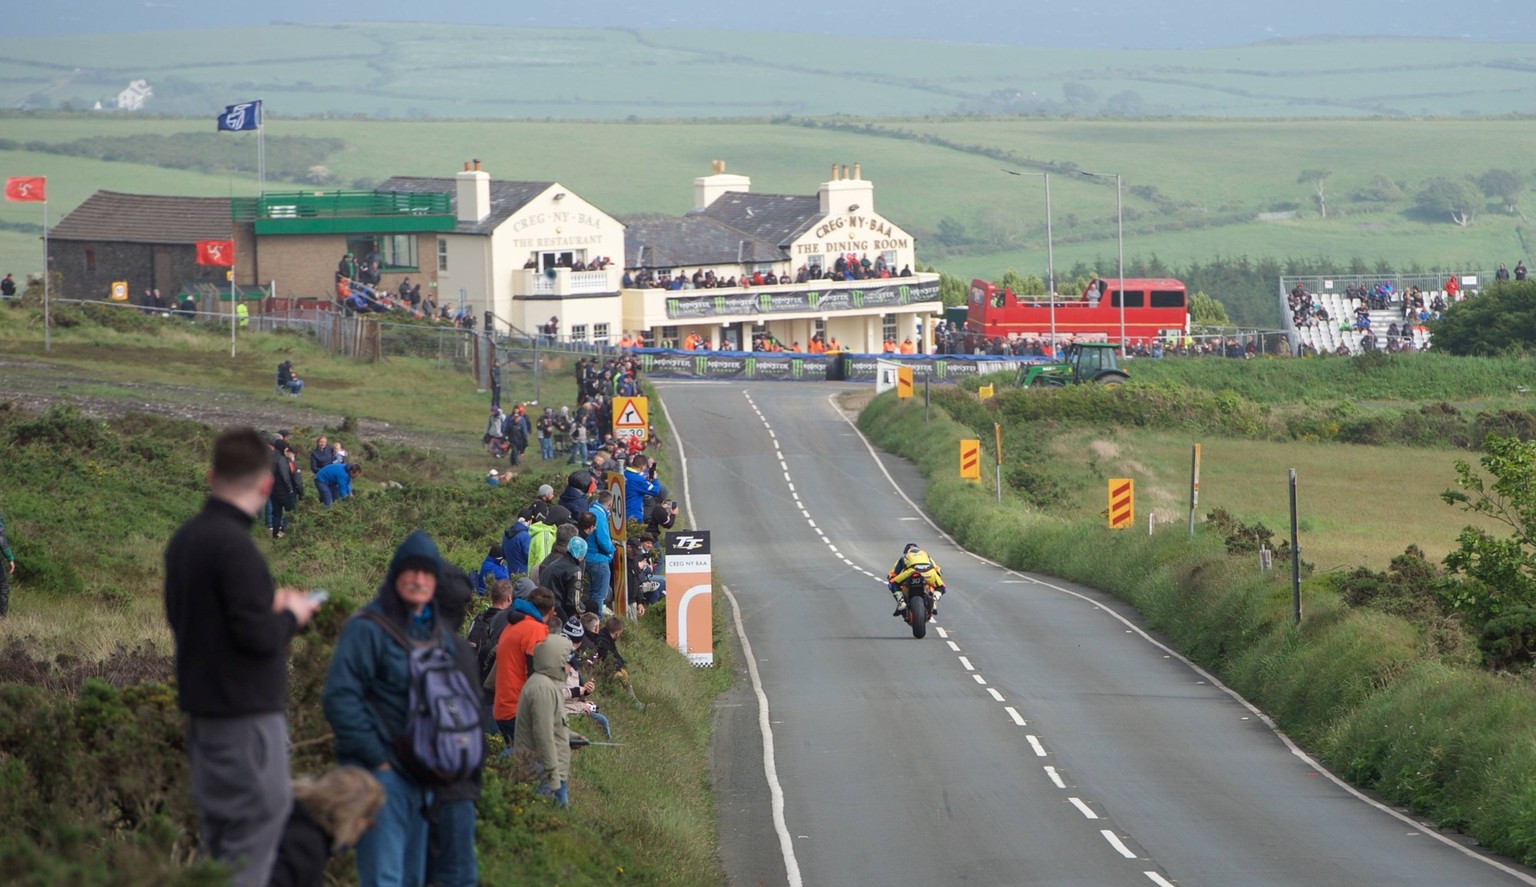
pixel 1050 252
pixel 1120 238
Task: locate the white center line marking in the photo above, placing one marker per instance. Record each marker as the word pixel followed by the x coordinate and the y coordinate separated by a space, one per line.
pixel 980 680
pixel 967 663
pixel 1034 743
pixel 995 695
pixel 1055 777
pixel 1159 880
pixel 1014 713
pixel 953 646
pixel 1115 842
pixel 1086 810
pixel 942 632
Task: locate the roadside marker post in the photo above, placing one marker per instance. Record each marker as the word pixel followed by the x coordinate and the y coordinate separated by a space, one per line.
pixel 1122 503
pixel 970 459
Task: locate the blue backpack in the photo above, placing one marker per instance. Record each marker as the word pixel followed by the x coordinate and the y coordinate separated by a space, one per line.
pixel 443 740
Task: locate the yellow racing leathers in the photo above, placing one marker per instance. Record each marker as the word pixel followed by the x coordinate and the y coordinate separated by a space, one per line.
pixel 915 562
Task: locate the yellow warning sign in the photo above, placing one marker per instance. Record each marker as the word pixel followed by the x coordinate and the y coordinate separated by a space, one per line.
pixel 985 392
pixel 903 381
pixel 631 417
pixel 1122 502
pixel 970 459
pixel 119 290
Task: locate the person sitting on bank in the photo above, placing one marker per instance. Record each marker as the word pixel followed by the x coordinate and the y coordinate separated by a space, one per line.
pixel 288 380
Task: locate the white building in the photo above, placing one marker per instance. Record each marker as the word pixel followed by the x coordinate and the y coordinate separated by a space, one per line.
pixel 134 97
pixel 733 234
pixel 527 251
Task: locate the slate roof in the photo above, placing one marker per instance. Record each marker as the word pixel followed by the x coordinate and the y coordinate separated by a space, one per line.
pixel 506 198
pixel 776 218
pixel 111 216
pixel 739 227
pixel 692 240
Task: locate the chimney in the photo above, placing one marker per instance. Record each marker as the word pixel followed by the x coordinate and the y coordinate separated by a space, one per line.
pixel 472 193
pixel 708 189
pixel 842 191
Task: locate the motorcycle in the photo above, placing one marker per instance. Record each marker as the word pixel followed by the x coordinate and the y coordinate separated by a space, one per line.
pixel 919 604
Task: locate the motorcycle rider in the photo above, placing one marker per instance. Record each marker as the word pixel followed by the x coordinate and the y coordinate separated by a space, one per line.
pixel 914 560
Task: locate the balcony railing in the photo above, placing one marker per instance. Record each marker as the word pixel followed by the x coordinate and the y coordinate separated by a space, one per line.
pixel 564 282
pixel 322 212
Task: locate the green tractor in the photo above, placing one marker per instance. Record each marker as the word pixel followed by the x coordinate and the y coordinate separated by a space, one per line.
pixel 1085 362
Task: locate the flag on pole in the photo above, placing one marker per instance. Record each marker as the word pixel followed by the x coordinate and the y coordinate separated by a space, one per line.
pixel 244 116
pixel 24 188
pixel 216 252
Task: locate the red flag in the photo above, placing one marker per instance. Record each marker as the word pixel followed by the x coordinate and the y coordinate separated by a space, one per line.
pixel 27 188
pixel 216 252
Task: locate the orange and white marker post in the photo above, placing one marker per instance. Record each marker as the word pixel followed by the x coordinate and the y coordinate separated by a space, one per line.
pixel 690 596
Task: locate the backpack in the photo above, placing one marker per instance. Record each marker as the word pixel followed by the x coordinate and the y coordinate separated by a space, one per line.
pixel 443 740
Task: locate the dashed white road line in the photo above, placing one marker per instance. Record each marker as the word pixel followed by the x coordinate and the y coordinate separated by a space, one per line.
pixel 1034 743
pixel 1086 810
pixel 1119 845
pixel 1159 880
pixel 996 696
pixel 1055 777
pixel 1014 713
pixel 967 663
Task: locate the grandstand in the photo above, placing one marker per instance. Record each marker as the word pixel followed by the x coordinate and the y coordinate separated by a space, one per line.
pixel 1332 294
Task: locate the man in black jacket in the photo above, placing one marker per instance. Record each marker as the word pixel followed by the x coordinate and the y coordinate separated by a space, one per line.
pixel 285 486
pixel 231 631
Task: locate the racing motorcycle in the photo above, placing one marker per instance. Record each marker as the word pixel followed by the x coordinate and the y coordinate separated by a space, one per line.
pixel 919 604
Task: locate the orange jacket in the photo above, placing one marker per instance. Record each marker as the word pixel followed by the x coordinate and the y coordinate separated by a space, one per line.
pixel 512 651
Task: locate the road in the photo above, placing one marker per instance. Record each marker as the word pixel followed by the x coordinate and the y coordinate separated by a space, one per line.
pixel 1038 736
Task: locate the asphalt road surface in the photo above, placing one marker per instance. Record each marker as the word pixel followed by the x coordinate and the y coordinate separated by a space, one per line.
pixel 1037 736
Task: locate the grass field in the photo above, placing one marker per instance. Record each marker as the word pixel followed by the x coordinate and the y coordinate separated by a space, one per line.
pixel 1200 210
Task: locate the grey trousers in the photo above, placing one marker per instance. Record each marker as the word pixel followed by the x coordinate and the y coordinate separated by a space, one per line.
pixel 240 783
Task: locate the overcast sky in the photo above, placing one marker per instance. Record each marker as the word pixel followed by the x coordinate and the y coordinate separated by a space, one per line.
pixel 1043 23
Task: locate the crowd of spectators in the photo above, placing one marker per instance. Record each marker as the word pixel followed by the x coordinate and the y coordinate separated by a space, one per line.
pixel 846 267
pixel 574 263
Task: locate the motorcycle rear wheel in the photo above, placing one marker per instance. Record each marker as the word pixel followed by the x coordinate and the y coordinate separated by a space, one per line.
pixel 917 614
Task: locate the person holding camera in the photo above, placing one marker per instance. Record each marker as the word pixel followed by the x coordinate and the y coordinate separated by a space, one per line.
pixel 639 484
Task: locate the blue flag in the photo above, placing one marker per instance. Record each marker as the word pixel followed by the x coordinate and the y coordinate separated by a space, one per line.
pixel 246 115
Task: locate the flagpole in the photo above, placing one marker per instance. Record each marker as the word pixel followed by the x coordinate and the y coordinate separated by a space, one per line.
pixel 47 324
pixel 261 148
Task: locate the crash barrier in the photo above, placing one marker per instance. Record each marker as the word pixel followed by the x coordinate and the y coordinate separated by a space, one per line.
pixel 663 363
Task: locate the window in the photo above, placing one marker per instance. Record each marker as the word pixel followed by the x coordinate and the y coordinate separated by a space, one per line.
pixel 1167 299
pixel 819 327
pixel 600 334
pixel 889 256
pixel 90 258
pixel 579 332
pixel 814 263
pixel 1133 298
pixel 442 254
pixel 888 327
pixel 668 334
pixel 397 252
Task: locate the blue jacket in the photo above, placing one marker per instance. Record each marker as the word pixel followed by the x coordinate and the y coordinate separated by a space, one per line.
pixel 636 487
pixel 600 543
pixel 514 547
pixel 493 568
pixel 336 475
pixel 369 678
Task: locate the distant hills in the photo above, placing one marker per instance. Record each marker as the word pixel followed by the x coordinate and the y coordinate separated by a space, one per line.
pixel 419 71
pixel 1040 24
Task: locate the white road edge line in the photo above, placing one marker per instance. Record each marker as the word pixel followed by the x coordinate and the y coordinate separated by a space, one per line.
pixel 764 723
pixel 1086 810
pixel 1427 829
pixel 1115 842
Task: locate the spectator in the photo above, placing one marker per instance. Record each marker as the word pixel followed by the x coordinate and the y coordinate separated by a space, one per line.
pixel 321 456
pixel 541 537
pixel 492 570
pixel 231 630
pixel 287 380
pixel 493 478
pixel 546 432
pixel 545 734
pixel 8 286
pixel 329 814
pixel 285 487
pixel 578 691
pixel 483 642
pixel 561 572
pixel 661 517
pixel 1452 287
pixel 334 482
pixel 514 547
pixel 1502 273
pixel 365 700
pixel 600 551
pixel 1520 270
pixel 451 817
pixel 338 452
pixel 495 434
pixel 514 641
pixel 542 501
pixel 5 571
pixel 578 484
pixel 640 483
